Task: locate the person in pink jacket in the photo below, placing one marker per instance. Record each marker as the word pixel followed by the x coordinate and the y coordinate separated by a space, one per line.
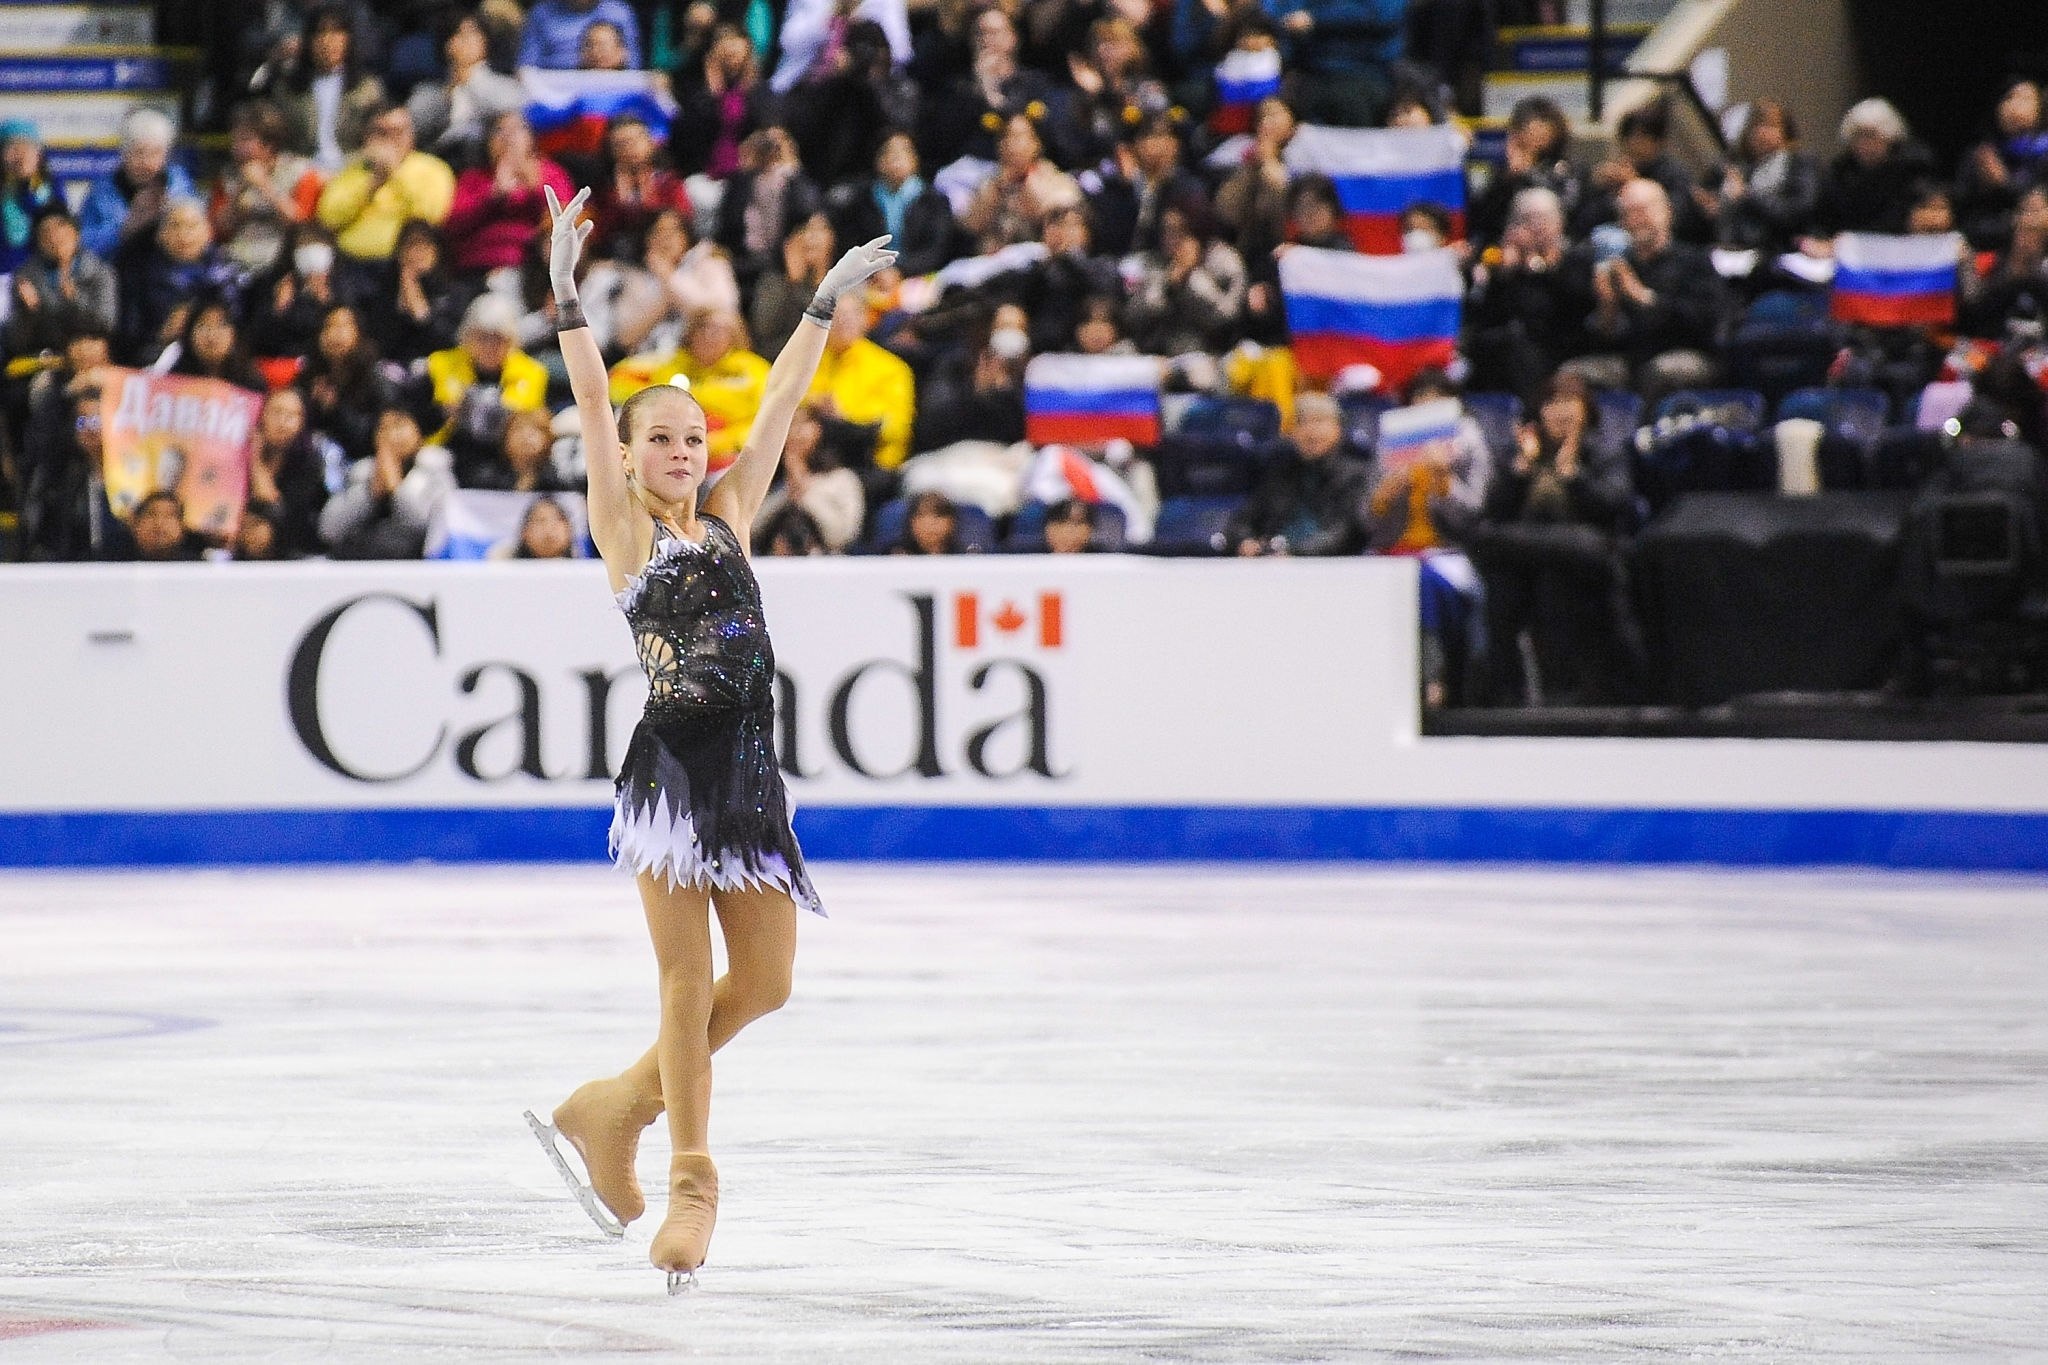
pixel 499 207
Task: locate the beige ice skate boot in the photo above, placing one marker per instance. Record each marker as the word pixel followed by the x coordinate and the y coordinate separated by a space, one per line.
pixel 685 1234
pixel 602 1121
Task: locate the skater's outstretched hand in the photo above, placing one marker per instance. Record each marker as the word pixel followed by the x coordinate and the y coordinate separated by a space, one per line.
pixel 565 243
pixel 856 265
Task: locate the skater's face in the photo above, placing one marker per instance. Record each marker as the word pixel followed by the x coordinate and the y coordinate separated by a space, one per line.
pixel 667 449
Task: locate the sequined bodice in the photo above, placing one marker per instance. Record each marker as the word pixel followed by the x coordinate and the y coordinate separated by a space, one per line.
pixel 695 612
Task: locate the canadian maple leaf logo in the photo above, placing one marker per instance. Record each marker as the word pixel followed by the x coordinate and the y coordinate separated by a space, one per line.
pixel 1009 618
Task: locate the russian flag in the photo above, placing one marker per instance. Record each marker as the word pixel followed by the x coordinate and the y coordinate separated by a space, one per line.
pixel 470 522
pixel 1382 172
pixel 1243 78
pixel 1411 433
pixel 570 110
pixel 1085 399
pixel 1399 314
pixel 1884 281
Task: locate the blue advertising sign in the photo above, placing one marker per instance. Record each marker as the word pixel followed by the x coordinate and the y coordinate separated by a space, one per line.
pixel 67 74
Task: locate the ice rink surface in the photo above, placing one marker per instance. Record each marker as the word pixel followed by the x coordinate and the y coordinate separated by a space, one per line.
pixel 1027 1114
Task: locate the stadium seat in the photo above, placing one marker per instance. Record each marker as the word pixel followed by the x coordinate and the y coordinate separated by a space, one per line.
pixel 1737 409
pixel 977 532
pixel 1498 415
pixel 1193 526
pixel 1621 412
pixel 1360 413
pixel 1198 466
pixel 1027 529
pixel 1785 341
pixel 1902 457
pixel 1858 413
pixel 1244 422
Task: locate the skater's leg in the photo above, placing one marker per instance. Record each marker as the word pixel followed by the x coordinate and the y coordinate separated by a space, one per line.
pixel 760 951
pixel 679 922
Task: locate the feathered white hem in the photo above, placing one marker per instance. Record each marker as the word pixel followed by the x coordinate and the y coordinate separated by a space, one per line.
pixel 664 842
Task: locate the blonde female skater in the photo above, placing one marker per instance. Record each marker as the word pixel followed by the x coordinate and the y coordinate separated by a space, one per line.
pixel 701 816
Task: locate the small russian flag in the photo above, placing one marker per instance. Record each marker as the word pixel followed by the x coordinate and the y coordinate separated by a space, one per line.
pixel 1884 281
pixel 571 110
pixel 1411 433
pixel 1380 173
pixel 1399 314
pixel 1086 399
pixel 469 522
pixel 1243 78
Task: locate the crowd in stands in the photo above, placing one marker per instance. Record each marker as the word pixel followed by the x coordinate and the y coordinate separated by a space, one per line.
pixel 1057 179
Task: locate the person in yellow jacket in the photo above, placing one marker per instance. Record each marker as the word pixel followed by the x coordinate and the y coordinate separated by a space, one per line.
pixel 390 181
pixel 726 378
pixel 481 379
pixel 859 382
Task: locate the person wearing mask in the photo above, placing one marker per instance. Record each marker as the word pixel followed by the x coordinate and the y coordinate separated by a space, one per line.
pixel 390 183
pixel 287 305
pixel 555 29
pixel 896 201
pixel 127 206
pixel 415 309
pixel 25 187
pixel 449 116
pixel 498 210
pixel 634 190
pixel 859 382
pixel 391 494
pixel 986 403
pixel 58 289
pixel 1657 307
pixel 1311 499
pixel 290 468
pixel 1767 193
pixel 329 98
pixel 265 191
pixel 480 380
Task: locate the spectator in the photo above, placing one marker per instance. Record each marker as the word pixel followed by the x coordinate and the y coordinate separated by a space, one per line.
pixel 1100 328
pixel 545 532
pixel 603 48
pixel 264 193
pixel 158 282
pixel 329 99
pixel 1252 201
pixel 1526 310
pixel 480 380
pixel 789 532
pixel 897 201
pixel 1868 186
pixel 391 494
pixel 816 33
pixel 1128 206
pixel 524 463
pixel 415 308
pixel 1768 191
pixel 210 346
pixel 1411 108
pixel 719 110
pixel 555 28
pixel 52 401
pixel 726 378
pixel 821 503
pixel 287 305
pixel 1545 549
pixel 1053 290
pixel 859 382
pixel 499 207
pixel 1657 306
pixel 993 87
pixel 1642 152
pixel 158 525
pixel 449 116
pixel 1310 500
pixel 1317 214
pixel 1536 157
pixel 342 386
pixel 839 122
pixel 64 511
pixel 382 189
pixel 1427 503
pixel 289 470
pixel 127 206
pixel 1012 204
pixel 2015 288
pixel 25 188
pixel 780 296
pixel 981 398
pixel 685 278
pixel 60 288
pixel 768 196
pixel 2008 162
pixel 256 537
pixel 1342 54
pixel 1069 528
pixel 633 190
pixel 932 528
pixel 1111 90
pixel 1190 290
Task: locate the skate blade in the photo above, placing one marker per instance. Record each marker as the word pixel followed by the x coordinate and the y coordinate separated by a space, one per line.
pixel 545 1134
pixel 681 1281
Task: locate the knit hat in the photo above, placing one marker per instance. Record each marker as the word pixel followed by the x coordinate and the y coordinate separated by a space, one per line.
pixel 18 127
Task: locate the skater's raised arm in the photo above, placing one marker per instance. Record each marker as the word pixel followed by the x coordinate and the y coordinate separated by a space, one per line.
pixel 620 531
pixel 739 494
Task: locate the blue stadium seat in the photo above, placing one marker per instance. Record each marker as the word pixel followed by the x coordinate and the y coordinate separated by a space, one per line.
pixel 1621 412
pixel 1858 413
pixel 1248 423
pixel 977 532
pixel 1498 415
pixel 1193 526
pixel 1785 341
pixel 1360 413
pixel 1200 466
pixel 1027 529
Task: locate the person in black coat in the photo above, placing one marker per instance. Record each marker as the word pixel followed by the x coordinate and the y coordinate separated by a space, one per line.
pixel 1868 187
pixel 899 202
pixel 64 511
pixel 764 200
pixel 1659 306
pixel 1053 291
pixel 416 308
pixel 1313 497
pixel 1527 308
pixel 288 474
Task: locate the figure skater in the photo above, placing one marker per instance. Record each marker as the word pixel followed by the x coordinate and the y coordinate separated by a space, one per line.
pixel 701 816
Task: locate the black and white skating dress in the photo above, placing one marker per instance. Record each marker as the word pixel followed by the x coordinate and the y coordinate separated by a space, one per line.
pixel 700 796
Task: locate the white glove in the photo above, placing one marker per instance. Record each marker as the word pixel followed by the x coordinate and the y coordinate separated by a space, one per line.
pixel 856 265
pixel 565 244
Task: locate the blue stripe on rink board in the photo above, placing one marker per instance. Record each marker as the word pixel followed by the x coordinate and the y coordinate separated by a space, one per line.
pixel 1976 841
pixel 1428 320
